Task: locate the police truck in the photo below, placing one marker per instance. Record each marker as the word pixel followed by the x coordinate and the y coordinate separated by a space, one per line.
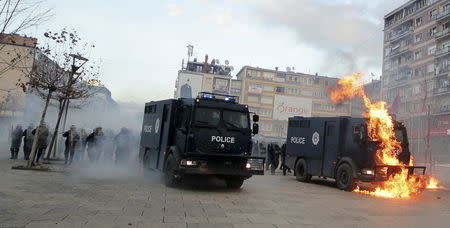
pixel 207 135
pixel 339 148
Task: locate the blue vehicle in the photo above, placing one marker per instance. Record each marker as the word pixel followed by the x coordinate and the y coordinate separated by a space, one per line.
pixel 339 148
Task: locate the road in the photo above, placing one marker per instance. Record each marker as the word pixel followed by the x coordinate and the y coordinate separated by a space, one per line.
pixel 107 196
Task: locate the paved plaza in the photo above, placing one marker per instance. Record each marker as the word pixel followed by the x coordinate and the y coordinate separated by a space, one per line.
pixel 109 196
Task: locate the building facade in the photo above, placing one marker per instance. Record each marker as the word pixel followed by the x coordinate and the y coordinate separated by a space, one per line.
pixel 203 77
pixel 277 95
pixel 416 67
pixel 17 55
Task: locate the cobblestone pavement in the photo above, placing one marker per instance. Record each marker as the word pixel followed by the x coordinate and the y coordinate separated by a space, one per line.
pixel 128 197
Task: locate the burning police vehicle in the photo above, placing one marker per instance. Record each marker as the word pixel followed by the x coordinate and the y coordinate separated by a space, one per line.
pixel 355 151
pixel 207 135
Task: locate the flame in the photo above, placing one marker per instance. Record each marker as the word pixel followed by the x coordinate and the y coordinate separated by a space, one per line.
pixel 380 128
pixel 433 183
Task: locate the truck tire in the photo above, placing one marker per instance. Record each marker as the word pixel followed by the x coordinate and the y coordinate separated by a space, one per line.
pixel 344 178
pixel 301 171
pixel 170 177
pixel 234 182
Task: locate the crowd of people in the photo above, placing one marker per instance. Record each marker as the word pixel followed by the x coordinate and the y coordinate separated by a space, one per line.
pixel 275 153
pixel 77 143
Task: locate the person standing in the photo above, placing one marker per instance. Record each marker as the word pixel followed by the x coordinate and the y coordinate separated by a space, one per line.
pixel 81 146
pixel 95 144
pixel 16 141
pixel 27 141
pixel 122 141
pixel 283 160
pixel 72 139
pixel 42 141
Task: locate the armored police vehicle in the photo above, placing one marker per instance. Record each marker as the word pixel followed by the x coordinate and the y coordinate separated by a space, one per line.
pixel 207 135
pixel 339 148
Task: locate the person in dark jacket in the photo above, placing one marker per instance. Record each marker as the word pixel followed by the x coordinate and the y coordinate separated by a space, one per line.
pixel 95 144
pixel 72 139
pixel 122 141
pixel 27 141
pixel 16 141
pixel 283 160
pixel 80 148
pixel 273 154
pixel 42 141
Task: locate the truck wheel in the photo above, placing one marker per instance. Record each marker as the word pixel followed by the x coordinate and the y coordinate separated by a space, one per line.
pixel 170 177
pixel 234 182
pixel 344 178
pixel 301 171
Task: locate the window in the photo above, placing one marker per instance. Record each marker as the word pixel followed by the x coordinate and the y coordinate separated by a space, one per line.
pixel 433 13
pixel 418 21
pixel 254 99
pixel 235 119
pixel 306 93
pixel 431 50
pixel 292 90
pixel 317 106
pixel 268 88
pixel 417 55
pixel 304 123
pixel 207 116
pixel 265 112
pixel 309 81
pixel 433 31
pixel 294 123
pixel 150 109
pixel 279 89
pixel 266 100
pixel 430 68
pixel 418 37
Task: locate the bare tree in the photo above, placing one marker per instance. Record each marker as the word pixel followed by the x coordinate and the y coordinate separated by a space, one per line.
pixel 15 17
pixel 59 72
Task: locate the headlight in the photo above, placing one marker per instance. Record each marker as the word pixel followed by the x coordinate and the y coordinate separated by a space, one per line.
pixel 188 163
pixel 367 172
pixel 248 165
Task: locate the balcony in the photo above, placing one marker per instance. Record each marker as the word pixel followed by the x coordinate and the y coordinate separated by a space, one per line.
pixel 442 33
pixel 442 52
pixel 444 70
pixel 400 34
pixel 441 90
pixel 443 15
pixel 399 51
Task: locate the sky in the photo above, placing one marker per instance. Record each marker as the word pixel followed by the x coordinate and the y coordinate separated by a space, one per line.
pixel 140 44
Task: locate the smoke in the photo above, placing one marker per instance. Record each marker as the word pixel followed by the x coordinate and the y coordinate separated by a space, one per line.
pixel 348 33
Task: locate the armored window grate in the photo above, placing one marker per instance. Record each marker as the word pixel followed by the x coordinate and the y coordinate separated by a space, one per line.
pixel 304 123
pixel 294 123
pixel 150 109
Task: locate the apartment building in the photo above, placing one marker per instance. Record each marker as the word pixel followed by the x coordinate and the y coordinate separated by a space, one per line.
pixel 17 55
pixel 416 67
pixel 204 77
pixel 277 95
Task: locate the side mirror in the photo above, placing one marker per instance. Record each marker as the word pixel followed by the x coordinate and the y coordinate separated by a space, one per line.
pixel 255 128
pixel 255 118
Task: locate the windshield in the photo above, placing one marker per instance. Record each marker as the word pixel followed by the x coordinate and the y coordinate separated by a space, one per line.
pixel 235 119
pixel 207 116
pixel 212 117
